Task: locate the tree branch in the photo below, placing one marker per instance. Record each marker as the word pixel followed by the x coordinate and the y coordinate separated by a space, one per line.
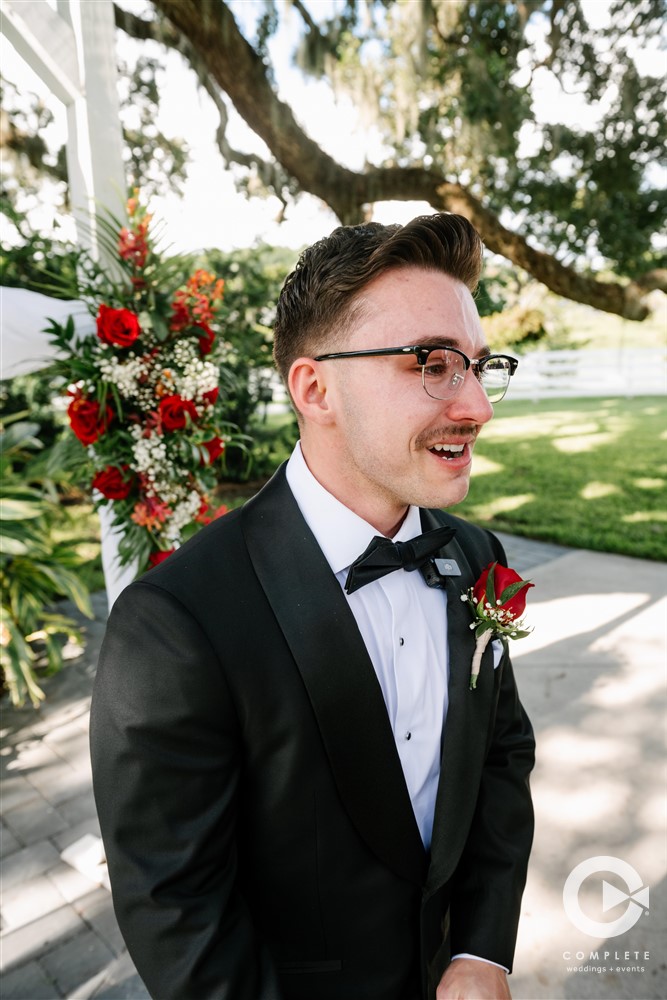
pixel 213 34
pixel 271 174
pixel 306 18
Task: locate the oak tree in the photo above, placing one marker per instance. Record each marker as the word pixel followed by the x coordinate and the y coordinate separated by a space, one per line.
pixel 450 86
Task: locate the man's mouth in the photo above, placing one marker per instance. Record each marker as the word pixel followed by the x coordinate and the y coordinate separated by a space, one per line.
pixel 447 451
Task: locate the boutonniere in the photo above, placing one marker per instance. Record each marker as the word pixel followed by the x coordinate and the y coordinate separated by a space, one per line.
pixel 497 600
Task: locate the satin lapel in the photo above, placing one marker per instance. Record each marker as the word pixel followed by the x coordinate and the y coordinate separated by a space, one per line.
pixel 325 641
pixel 466 727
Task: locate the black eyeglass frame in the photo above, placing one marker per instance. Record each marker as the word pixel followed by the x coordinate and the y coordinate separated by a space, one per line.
pixel 421 352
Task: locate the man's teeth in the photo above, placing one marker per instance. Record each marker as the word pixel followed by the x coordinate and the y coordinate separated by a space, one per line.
pixel 452 449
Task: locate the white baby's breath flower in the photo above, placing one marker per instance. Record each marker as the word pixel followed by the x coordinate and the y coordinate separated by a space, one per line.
pixel 183 514
pixel 197 378
pixel 149 454
pixel 124 375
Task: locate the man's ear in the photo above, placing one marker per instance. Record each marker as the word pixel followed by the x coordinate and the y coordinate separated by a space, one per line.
pixel 307 386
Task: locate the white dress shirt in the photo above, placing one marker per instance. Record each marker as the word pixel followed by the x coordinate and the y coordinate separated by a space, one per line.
pixel 403 623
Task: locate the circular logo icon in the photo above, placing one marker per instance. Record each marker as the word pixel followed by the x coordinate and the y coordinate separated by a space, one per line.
pixel 636 897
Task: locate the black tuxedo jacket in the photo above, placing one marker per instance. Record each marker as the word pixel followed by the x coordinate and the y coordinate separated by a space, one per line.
pixel 259 833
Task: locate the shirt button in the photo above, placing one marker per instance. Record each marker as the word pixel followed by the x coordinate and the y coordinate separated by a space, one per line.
pixel 401 641
pixel 408 736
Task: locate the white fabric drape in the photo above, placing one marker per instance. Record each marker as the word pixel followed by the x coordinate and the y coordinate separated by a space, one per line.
pixel 25 315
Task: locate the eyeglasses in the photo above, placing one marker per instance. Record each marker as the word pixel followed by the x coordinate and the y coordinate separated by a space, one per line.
pixel 444 369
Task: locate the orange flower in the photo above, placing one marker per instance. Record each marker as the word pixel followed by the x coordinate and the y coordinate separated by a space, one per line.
pixel 198 301
pixel 151 513
pixel 165 386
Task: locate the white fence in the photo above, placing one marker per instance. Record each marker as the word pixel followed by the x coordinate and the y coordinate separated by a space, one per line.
pixel 626 372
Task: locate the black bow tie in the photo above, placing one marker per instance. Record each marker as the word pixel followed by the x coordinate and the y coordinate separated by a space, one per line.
pixel 384 556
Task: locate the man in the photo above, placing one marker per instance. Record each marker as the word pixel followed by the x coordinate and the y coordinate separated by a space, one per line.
pixel 299 794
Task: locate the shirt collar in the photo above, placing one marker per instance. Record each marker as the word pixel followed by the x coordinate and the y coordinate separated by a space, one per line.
pixel 340 533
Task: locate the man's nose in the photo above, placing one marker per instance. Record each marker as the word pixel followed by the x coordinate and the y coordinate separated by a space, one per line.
pixel 470 404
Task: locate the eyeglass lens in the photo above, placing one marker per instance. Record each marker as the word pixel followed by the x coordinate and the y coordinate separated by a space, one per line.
pixel 444 372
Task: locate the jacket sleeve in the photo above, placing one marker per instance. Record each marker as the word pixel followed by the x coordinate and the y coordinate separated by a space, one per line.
pixel 166 755
pixel 486 893
pixel 485 902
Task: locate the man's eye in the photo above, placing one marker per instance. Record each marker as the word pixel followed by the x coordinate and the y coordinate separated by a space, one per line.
pixel 436 369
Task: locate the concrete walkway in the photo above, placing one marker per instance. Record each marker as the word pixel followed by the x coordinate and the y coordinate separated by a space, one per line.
pixel 592 677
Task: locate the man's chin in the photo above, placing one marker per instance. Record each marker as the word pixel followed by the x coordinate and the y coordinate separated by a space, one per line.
pixel 455 494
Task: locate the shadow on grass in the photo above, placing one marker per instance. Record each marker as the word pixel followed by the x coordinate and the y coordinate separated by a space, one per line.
pixel 590 473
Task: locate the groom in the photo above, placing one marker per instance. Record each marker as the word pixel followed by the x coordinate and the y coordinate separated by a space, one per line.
pixel 299 794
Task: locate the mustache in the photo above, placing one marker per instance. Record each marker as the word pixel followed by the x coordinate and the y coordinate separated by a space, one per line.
pixel 449 432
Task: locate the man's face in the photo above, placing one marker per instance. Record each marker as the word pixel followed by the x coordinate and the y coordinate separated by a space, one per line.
pixel 384 449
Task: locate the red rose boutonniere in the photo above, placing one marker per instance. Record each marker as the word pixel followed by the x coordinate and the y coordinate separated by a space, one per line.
pixel 497 600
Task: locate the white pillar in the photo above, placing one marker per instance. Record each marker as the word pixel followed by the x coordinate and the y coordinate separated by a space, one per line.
pixel 73 51
pixel 94 135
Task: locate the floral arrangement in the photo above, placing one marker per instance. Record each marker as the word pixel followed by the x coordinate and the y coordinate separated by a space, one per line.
pixel 497 600
pixel 144 393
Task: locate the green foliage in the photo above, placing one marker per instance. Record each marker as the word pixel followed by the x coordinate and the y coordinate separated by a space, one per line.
pixel 574 326
pixel 476 107
pixel 32 395
pixel 454 86
pixel 25 120
pixel 35 568
pixel 589 473
pixel 518 327
pixel 603 194
pixel 151 158
pixel 32 260
pixel 253 279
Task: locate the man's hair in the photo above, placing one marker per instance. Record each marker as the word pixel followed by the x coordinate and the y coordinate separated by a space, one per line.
pixel 316 307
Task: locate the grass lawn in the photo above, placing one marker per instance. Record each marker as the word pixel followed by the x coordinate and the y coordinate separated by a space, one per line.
pixel 590 473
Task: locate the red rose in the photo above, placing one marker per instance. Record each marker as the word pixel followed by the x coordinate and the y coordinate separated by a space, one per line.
pixel 210 396
pixel 110 482
pixel 155 558
pixel 510 590
pixel 215 448
pixel 174 412
pixel 180 317
pixel 118 327
pixel 202 514
pixel 206 337
pixel 86 420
